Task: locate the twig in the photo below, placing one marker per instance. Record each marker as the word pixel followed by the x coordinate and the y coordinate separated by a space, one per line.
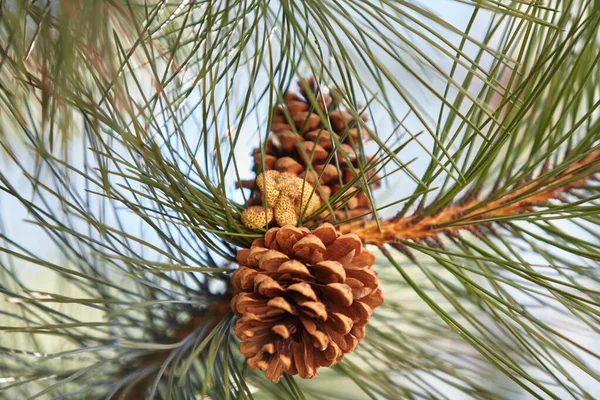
pixel 470 215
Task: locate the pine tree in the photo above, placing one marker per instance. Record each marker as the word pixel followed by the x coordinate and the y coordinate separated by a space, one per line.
pixel 299 200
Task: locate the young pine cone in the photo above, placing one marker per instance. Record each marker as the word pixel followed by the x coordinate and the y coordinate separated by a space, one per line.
pixel 303 299
pixel 286 197
pixel 308 144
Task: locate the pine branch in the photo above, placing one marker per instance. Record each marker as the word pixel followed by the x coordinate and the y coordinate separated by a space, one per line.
pixel 469 214
pixel 171 93
pixel 203 321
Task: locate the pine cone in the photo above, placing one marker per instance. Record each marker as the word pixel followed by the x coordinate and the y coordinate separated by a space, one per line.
pixel 312 145
pixel 303 298
pixel 286 197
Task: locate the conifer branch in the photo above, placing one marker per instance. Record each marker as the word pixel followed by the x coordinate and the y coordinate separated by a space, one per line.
pixel 166 99
pixel 470 214
pixel 203 321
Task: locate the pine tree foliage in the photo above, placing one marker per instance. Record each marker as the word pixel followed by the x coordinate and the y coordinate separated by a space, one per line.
pixel 126 127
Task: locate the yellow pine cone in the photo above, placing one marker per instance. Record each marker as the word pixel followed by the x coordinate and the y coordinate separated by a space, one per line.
pixel 255 217
pixel 267 184
pixel 287 197
pixel 308 202
pixel 285 212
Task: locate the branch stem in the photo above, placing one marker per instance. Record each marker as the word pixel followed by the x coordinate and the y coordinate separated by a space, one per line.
pixel 473 214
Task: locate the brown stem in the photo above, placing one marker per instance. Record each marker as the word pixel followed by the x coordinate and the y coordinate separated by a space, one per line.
pixel 469 215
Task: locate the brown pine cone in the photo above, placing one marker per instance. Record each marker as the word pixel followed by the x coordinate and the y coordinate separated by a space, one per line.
pixel 304 298
pixel 310 144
